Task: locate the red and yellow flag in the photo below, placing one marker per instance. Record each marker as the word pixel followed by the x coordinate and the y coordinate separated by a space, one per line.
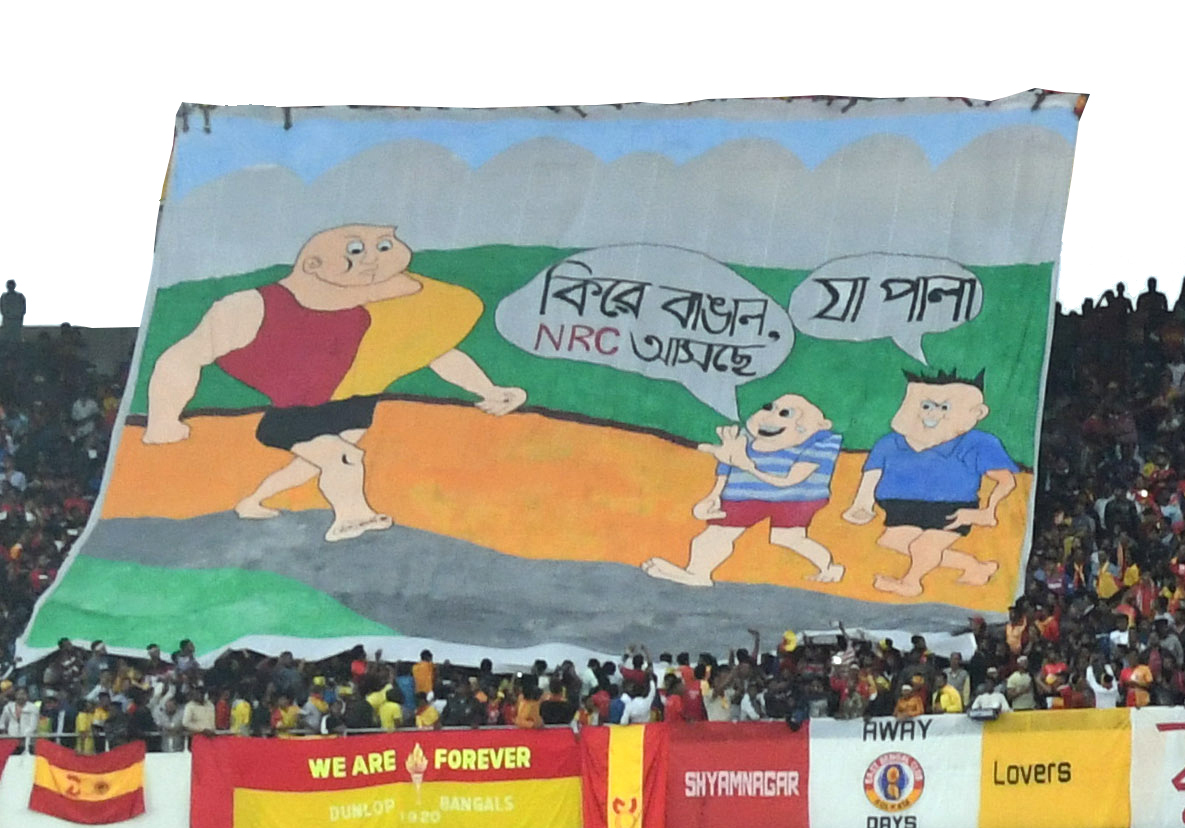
pixel 624 776
pixel 92 790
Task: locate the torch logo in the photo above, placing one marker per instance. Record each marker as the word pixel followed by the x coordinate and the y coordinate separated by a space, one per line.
pixel 416 764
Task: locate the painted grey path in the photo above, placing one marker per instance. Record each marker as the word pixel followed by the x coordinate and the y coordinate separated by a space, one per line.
pixel 429 585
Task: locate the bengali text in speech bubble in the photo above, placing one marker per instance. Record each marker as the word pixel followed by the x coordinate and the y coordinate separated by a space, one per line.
pixel 886 295
pixel 662 312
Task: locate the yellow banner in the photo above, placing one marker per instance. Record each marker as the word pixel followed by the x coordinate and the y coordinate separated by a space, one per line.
pixel 1056 769
pixel 545 803
pixel 88 787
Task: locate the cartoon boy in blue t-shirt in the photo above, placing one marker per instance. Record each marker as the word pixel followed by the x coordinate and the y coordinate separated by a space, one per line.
pixel 779 471
pixel 925 476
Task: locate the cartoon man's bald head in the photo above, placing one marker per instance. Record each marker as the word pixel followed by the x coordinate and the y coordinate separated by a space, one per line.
pixel 790 420
pixel 353 255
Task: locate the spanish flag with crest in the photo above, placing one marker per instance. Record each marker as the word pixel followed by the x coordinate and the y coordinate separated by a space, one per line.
pixel 92 790
pixel 625 776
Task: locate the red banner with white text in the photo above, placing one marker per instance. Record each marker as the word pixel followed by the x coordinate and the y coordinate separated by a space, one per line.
pixel 723 774
pixel 455 779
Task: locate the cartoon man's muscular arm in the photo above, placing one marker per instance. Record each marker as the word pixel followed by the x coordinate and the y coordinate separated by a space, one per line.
pixel 231 323
pixel 459 368
pixel 1005 482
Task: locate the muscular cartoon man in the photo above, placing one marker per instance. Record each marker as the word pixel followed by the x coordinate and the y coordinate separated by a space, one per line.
pixel 321 344
pixel 783 473
pixel 925 476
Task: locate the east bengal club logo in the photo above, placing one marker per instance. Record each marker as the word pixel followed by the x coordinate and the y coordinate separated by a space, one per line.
pixel 894 781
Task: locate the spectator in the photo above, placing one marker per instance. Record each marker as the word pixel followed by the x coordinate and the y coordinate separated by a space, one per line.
pixel 198 714
pixel 424 673
pixel 527 714
pixel 170 720
pixel 638 704
pixel 946 698
pixel 390 712
pixel 285 716
pixel 12 314
pixel 909 705
pixel 554 708
pixel 958 677
pixel 1019 686
pixel 19 716
pixel 990 698
pixel 427 717
pixel 334 722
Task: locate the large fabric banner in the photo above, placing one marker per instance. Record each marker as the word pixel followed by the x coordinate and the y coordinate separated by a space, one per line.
pixel 625 776
pixel 721 774
pixel 914 773
pixel 1063 769
pixel 491 779
pixel 1158 767
pixel 7 748
pixel 775 362
pixel 90 790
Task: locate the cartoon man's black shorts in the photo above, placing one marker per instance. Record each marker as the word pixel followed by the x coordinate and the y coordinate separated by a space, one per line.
pixel 924 514
pixel 285 427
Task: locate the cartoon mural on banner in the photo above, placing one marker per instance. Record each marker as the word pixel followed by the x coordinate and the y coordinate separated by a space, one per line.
pixel 496 379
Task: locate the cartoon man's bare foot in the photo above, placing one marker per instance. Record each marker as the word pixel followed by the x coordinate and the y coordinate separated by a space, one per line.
pixel 895 585
pixel 828 575
pixel 346 529
pixel 659 568
pixel 254 510
pixel 980 575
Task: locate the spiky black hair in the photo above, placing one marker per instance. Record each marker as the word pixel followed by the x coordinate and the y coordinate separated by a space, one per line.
pixel 945 378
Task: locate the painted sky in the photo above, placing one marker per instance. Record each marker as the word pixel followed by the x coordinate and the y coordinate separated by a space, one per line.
pixel 315 143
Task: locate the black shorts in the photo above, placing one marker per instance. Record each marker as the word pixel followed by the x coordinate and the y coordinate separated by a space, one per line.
pixel 283 428
pixel 925 514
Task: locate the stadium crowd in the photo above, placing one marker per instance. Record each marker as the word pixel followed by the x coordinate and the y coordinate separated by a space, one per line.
pixel 1101 622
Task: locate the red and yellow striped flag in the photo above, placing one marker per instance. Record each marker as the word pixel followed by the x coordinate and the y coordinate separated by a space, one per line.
pixel 624 776
pixel 92 790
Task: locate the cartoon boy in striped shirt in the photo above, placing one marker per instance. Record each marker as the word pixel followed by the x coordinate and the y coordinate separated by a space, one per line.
pixel 780 470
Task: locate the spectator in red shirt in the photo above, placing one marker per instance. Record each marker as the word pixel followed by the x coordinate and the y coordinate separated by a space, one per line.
pixel 674 710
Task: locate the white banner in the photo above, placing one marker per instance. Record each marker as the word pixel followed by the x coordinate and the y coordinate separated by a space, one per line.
pixel 884 773
pixel 1158 767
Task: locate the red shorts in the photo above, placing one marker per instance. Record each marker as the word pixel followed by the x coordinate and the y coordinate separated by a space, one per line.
pixel 786 514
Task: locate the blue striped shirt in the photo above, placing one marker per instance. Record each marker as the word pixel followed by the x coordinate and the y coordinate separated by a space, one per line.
pixel 821 448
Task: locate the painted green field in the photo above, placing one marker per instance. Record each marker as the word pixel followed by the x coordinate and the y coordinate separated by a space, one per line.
pixel 858 385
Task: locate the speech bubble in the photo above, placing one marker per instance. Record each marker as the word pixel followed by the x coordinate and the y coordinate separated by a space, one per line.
pixel 878 295
pixel 662 312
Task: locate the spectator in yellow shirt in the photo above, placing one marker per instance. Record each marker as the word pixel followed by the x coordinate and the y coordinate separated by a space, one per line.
pixel 528 715
pixel 909 704
pixel 427 716
pixel 391 712
pixel 84 727
pixel 946 698
pixel 423 672
pixel 286 716
pixel 240 717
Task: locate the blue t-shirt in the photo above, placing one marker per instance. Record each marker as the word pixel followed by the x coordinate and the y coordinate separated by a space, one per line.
pixel 949 472
pixel 407 686
pixel 821 448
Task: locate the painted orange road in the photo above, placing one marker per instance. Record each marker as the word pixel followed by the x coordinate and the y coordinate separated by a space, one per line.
pixel 536 487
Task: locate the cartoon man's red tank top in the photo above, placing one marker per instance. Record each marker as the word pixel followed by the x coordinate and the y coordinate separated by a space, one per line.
pixel 300 355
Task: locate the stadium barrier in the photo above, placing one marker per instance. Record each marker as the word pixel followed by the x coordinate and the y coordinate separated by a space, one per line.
pixel 1066 769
